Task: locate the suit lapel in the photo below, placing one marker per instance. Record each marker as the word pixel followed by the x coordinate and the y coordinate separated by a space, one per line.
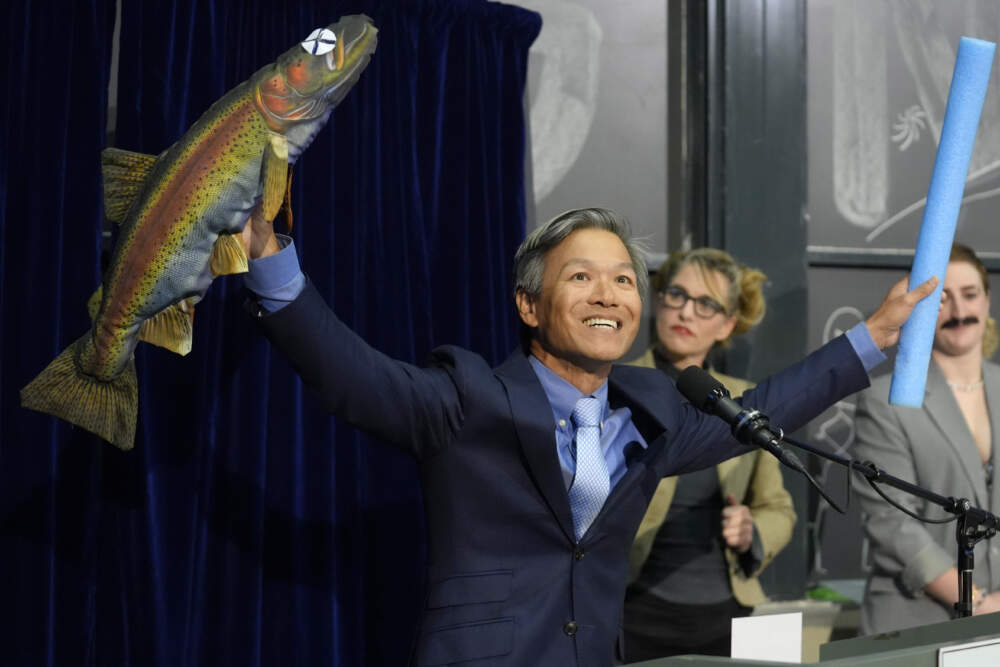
pixel 644 401
pixel 734 476
pixel 943 409
pixel 620 394
pixel 635 473
pixel 532 417
pixel 991 374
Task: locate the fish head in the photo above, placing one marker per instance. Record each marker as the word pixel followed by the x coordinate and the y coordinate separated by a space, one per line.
pixel 311 78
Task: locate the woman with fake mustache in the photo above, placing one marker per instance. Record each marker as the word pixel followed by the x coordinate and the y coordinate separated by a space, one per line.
pixel 945 446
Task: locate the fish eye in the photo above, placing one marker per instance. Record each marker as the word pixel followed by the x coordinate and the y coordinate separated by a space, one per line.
pixel 320 42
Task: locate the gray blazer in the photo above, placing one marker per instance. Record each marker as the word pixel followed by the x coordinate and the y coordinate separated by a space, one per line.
pixel 931 446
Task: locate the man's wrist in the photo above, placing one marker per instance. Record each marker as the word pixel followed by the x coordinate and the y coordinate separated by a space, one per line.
pixel 865 347
pixel 276 280
pixel 268 248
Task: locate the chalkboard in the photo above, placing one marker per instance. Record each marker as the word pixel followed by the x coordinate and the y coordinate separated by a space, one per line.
pixel 839 549
pixel 878 81
pixel 597 107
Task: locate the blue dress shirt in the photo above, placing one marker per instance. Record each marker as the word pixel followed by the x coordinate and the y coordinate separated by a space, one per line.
pixel 276 279
pixel 617 429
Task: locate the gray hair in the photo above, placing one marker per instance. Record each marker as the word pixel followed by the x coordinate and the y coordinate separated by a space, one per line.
pixel 529 261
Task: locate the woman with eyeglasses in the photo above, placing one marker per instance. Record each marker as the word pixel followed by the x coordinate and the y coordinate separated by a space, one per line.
pixel 708 534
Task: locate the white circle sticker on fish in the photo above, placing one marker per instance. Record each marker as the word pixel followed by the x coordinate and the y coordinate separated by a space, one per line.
pixel 320 41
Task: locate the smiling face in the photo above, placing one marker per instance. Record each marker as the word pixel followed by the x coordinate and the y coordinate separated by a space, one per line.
pixel 965 307
pixel 587 314
pixel 685 336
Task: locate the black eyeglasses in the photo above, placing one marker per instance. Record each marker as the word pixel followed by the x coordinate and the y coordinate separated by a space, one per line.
pixel 705 307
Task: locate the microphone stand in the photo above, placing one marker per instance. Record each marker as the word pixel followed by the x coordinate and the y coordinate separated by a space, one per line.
pixel 974 524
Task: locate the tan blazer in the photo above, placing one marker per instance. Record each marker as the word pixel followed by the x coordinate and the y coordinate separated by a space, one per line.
pixel 754 479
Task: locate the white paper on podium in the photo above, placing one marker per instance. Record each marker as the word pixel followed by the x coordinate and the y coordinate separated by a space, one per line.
pixel 775 637
pixel 975 654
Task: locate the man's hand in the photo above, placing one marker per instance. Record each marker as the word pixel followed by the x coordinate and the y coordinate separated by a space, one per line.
pixel 884 324
pixel 258 237
pixel 737 525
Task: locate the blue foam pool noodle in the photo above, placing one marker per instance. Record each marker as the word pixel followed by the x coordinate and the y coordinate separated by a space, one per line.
pixel 937 230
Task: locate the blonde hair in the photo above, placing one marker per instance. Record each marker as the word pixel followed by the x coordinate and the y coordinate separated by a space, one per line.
pixel 990 338
pixel 744 299
pixel 963 253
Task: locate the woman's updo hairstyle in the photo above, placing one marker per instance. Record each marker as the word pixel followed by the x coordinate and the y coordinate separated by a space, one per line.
pixel 745 298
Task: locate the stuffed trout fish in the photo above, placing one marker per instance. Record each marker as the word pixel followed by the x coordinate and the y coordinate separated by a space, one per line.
pixel 181 214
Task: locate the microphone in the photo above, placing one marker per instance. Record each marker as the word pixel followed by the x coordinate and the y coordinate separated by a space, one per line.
pixel 749 425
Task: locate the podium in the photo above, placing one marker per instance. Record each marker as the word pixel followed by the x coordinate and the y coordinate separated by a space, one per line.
pixel 915 647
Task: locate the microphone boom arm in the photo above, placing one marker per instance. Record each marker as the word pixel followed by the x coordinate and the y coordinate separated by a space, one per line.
pixel 750 426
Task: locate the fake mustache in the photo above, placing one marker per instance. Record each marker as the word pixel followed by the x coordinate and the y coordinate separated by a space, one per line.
pixel 954 322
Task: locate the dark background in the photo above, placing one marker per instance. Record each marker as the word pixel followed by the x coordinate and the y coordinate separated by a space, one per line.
pixel 246 527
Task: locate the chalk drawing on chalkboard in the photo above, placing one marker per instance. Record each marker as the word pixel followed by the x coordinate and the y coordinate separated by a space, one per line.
pixel 860 111
pixel 901 50
pixel 908 125
pixel 836 431
pixel 567 52
pixel 920 203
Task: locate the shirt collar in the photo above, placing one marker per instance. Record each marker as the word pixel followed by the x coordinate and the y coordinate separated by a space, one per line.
pixel 562 395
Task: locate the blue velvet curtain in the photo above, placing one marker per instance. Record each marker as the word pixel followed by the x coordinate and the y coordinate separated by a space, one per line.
pixel 246 527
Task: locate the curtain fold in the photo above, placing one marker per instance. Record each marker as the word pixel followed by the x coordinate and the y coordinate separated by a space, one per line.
pixel 246 527
pixel 52 124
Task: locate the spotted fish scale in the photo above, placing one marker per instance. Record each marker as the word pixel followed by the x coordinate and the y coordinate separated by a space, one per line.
pixel 181 213
pixel 190 199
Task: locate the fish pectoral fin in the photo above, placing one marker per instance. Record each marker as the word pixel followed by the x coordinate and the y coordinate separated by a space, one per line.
pixel 94 302
pixel 228 256
pixel 171 328
pixel 124 173
pixel 274 175
pixel 286 204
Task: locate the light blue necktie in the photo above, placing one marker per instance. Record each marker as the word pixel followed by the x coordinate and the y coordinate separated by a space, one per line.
pixel 591 483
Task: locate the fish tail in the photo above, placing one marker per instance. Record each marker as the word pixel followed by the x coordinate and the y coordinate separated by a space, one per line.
pixel 105 408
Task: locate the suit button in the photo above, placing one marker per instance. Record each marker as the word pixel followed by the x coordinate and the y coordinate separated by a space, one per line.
pixel 570 628
pixel 579 553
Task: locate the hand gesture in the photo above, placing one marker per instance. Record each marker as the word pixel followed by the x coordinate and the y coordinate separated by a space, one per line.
pixel 884 324
pixel 737 525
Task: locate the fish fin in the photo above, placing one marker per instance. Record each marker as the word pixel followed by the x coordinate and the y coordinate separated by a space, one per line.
pixel 274 176
pixel 228 256
pixel 124 173
pixel 107 409
pixel 171 328
pixel 286 204
pixel 94 302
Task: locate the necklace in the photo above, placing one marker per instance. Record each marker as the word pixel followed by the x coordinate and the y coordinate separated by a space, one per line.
pixel 958 386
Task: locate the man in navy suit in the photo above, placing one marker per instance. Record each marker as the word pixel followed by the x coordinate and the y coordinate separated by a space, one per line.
pixel 536 473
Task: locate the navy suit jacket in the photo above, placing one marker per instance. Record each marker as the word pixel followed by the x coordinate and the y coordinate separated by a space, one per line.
pixel 507 583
